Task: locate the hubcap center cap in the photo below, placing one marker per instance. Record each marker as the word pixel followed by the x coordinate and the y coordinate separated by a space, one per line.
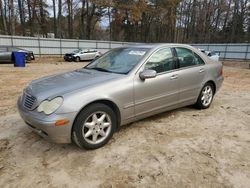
pixel 97 127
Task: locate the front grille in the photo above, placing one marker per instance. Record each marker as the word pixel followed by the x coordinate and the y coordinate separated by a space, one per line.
pixel 28 101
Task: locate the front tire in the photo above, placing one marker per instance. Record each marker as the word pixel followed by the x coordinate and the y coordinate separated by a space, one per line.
pixel 206 96
pixel 94 126
pixel 78 59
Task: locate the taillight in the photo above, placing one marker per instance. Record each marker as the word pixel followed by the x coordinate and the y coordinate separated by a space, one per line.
pixel 221 71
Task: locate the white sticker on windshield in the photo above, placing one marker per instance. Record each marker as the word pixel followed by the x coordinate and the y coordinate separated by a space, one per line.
pixel 133 52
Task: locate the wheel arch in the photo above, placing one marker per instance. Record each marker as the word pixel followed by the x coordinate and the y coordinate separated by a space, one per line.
pixel 213 83
pixel 77 57
pixel 107 102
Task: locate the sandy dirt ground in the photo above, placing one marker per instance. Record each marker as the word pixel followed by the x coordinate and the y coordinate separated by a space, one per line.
pixel 181 148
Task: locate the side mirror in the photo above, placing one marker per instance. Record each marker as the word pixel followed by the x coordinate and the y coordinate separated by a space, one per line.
pixel 148 74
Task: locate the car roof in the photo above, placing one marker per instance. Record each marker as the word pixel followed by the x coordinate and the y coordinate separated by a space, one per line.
pixel 86 48
pixel 157 45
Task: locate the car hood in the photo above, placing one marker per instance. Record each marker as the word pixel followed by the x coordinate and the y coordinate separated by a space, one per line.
pixel 52 86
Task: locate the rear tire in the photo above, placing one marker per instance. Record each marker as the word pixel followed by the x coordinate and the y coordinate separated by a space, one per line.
pixel 94 126
pixel 206 96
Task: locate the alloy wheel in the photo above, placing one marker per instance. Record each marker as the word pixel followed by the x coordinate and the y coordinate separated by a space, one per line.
pixel 207 95
pixel 96 127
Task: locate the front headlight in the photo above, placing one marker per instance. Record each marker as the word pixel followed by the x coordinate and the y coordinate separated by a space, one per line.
pixel 48 107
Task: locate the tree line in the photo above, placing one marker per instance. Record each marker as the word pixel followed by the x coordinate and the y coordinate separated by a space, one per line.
pixel 183 21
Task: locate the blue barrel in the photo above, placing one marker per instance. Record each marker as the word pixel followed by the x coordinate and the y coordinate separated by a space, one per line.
pixel 19 59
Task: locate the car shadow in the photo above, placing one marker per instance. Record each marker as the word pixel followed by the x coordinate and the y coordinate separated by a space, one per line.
pixel 157 117
pixel 5 63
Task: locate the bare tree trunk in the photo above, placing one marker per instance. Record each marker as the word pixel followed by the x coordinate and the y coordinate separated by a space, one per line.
pixel 32 4
pixel 12 17
pixel 218 17
pixel 187 24
pixel 55 22
pixel 30 18
pixel 235 19
pixel 70 19
pixel 87 7
pixel 42 22
pixel 81 25
pixel 90 14
pixel 3 16
pixel 59 18
pixel 193 21
pixel 110 29
pixel 21 13
pixel 227 14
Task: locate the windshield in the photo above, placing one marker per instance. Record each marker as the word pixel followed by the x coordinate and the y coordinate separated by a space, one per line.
pixel 119 60
pixel 77 51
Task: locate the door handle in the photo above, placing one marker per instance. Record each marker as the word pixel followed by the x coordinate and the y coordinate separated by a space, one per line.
pixel 201 70
pixel 173 77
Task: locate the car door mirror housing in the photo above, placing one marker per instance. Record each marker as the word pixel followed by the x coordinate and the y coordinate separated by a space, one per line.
pixel 148 74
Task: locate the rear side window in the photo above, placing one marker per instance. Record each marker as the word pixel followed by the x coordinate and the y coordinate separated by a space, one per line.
pixel 198 59
pixel 161 61
pixel 187 58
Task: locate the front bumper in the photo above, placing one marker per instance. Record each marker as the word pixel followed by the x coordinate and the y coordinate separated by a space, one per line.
pixel 68 58
pixel 45 125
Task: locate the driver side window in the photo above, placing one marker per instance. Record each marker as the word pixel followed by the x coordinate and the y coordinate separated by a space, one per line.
pixel 161 61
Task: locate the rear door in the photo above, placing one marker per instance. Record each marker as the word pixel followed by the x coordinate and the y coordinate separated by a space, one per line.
pixel 191 71
pixel 92 54
pixel 156 94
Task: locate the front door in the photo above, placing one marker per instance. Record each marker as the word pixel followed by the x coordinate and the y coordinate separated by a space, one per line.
pixel 154 95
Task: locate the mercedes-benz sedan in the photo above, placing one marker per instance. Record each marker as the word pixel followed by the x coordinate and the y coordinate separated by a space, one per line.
pixel 126 84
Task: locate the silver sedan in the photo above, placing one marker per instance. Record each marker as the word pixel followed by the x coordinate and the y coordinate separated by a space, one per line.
pixel 89 54
pixel 126 84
